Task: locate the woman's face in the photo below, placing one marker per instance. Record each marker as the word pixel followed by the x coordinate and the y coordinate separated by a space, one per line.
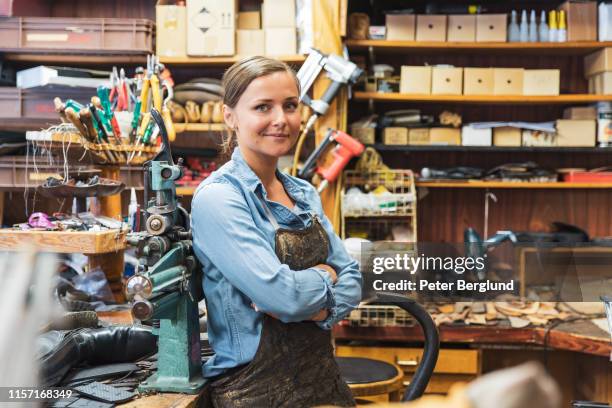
pixel 266 118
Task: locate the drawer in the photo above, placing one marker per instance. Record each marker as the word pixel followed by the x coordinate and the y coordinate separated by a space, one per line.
pixel 450 361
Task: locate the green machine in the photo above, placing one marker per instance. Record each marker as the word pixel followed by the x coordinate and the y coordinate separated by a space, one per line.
pixel 167 285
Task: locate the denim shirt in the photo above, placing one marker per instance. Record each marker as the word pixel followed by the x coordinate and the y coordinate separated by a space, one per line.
pixel 234 240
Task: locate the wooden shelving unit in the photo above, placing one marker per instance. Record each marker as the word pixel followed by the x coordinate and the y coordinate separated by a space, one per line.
pixel 488 149
pixel 223 61
pixel 500 48
pixel 61 57
pixel 199 127
pixel 505 184
pixel 483 99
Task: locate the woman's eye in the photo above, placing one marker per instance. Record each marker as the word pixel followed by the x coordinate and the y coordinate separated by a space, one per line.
pixel 291 106
pixel 262 108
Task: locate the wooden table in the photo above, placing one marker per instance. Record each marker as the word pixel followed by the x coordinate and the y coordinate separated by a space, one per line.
pixel 577 354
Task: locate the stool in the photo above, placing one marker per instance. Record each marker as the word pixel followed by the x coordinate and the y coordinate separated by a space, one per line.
pixel 367 378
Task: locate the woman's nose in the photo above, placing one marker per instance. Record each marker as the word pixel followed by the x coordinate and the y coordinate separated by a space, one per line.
pixel 279 116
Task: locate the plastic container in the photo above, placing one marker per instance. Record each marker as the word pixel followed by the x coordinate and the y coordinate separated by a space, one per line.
pixel 37 104
pixel 588 177
pixel 77 34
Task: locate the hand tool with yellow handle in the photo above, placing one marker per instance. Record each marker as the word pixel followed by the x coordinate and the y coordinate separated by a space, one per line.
pixel 168 122
pixel 166 114
pixel 156 92
pixel 73 117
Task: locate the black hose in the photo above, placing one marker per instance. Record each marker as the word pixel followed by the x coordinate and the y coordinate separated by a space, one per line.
pixel 431 346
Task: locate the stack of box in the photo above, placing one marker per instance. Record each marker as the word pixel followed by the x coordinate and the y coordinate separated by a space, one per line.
pixel 478 81
pixel 452 28
pixel 598 71
pixel 211 27
pixel 171 26
pixel 250 38
pixel 278 20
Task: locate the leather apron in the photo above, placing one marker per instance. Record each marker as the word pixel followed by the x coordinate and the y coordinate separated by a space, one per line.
pixel 294 365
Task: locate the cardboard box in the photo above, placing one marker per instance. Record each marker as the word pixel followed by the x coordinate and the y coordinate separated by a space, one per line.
pixel 476 137
pixel 171 26
pixel 508 81
pixel 461 28
pixel 249 20
pixel 581 20
pixel 506 136
pixel 604 15
pixel 211 27
pixel 536 138
pixel 445 136
pixel 580 112
pixel 281 41
pixel 446 81
pixel 576 133
pixel 541 82
pixel 430 27
pixel 401 27
pixel 418 136
pixel 491 27
pixel 415 80
pixel 250 42
pixel 601 84
pixel 599 61
pixel 395 136
pixel 278 14
pixel 477 81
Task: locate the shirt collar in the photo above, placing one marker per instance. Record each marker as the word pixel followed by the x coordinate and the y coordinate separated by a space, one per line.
pixel 254 183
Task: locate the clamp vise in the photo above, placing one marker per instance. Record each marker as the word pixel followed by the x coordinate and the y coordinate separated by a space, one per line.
pixel 167 285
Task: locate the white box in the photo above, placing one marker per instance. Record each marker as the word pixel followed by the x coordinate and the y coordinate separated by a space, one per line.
pixel 211 27
pixel 471 136
pixel 605 22
pixel 281 41
pixel 278 14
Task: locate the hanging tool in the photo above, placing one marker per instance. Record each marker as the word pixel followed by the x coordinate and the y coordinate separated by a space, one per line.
pixel 346 148
pixel 166 112
pixel 340 71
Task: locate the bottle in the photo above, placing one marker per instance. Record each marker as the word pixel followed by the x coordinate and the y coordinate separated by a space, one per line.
pixel 552 26
pixel 513 28
pixel 533 27
pixel 562 30
pixel 132 210
pixel 543 37
pixel 524 29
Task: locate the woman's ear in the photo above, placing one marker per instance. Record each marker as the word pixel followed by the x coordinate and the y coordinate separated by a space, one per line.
pixel 229 117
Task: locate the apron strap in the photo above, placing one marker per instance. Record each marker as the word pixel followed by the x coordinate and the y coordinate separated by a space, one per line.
pixel 269 214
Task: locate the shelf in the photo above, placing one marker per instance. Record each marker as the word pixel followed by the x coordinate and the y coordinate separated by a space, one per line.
pixel 564 48
pixel 87 242
pixel 483 99
pixel 61 57
pixel 223 61
pixel 199 127
pixel 489 149
pixel 25 124
pixel 506 184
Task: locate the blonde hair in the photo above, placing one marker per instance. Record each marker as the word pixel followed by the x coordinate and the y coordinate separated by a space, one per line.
pixel 239 76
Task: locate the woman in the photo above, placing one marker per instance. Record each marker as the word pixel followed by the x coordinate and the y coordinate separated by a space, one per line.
pixel 276 276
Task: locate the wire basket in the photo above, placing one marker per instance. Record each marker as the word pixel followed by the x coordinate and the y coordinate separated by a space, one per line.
pixel 379 316
pixel 397 198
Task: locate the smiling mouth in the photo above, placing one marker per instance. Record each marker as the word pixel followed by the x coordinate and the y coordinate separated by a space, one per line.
pixel 277 135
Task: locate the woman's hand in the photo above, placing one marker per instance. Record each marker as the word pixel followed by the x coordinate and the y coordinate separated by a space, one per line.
pixel 330 270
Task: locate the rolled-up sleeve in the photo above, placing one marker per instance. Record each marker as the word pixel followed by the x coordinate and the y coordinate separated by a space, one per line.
pixel 346 292
pixel 224 230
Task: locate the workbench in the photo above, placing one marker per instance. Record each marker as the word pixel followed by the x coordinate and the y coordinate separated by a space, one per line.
pixel 577 354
